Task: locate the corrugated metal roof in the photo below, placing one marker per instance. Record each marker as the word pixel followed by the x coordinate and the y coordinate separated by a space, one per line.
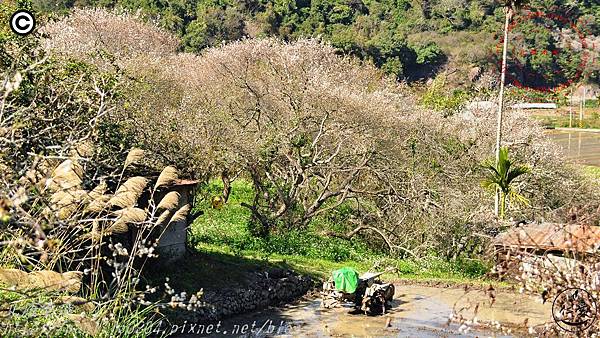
pixel 534 106
pixel 551 236
pixel 185 182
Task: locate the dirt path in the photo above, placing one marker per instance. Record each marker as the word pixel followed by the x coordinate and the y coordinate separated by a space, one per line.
pixel 418 311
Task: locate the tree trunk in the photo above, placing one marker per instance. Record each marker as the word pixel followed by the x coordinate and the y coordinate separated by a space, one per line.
pixel 226 185
pixel 509 13
pixel 426 9
pixel 503 205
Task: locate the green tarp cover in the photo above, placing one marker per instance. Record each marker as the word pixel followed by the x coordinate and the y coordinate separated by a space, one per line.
pixel 345 279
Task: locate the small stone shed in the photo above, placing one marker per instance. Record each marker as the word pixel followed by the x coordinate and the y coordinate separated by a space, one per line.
pixel 172 243
pixel 558 239
pixel 554 245
pixel 173 239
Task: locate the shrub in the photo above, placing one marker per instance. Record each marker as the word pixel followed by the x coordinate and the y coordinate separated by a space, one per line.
pixel 65 201
pixel 436 97
pixel 429 53
pixel 313 130
pixel 99 36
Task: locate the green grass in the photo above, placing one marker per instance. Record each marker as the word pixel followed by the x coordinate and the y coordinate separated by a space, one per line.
pixel 212 267
pixel 592 171
pixel 591 122
pixel 592 104
pixel 225 250
pixel 40 313
pixel 229 227
pixel 33 314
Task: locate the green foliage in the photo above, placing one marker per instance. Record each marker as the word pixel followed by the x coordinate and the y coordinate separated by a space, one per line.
pixel 212 26
pixel 230 227
pixel 434 267
pixel 502 176
pixel 65 91
pixel 7 8
pixel 439 98
pixel 39 314
pixel 535 58
pixel 36 315
pixel 593 104
pixel 226 230
pixel 56 109
pixel 590 120
pixel 429 53
pixel 592 171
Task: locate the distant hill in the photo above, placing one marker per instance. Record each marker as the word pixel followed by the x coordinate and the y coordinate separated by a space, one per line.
pixel 410 39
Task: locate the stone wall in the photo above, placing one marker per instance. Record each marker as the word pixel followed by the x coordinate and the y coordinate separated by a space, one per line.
pixel 267 289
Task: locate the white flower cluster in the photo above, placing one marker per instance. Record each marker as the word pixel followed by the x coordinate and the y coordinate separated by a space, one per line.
pixel 118 249
pixel 143 249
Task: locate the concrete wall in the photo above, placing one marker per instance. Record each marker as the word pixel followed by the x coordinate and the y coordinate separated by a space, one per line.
pixel 172 243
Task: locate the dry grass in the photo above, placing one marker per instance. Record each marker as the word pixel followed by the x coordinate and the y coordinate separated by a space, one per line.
pixel 66 176
pixel 163 218
pixel 180 214
pixel 42 280
pixel 134 156
pixel 129 192
pixel 167 177
pixel 169 202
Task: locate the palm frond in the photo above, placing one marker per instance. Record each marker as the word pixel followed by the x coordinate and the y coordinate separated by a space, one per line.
pixel 504 163
pixel 516 172
pixel 517 199
pixel 501 176
pixel 490 185
pixel 493 172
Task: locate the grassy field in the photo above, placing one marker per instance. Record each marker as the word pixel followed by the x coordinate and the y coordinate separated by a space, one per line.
pixel 560 118
pixel 224 251
pixel 592 171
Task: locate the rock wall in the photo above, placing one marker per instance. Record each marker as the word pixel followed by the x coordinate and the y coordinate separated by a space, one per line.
pixel 267 289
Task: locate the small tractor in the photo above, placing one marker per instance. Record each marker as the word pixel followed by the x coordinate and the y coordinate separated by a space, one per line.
pixel 367 292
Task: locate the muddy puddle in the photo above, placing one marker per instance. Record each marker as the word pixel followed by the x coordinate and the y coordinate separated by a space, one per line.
pixel 579 146
pixel 418 311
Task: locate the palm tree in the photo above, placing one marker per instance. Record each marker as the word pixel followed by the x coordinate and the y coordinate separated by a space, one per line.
pixel 501 178
pixel 510 7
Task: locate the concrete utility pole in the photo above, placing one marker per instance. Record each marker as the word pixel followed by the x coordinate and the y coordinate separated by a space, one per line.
pixel 571 110
pixel 509 13
pixel 582 107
